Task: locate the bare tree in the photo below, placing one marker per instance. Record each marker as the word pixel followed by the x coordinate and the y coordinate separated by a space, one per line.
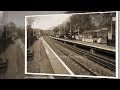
pixel 81 21
pixel 67 28
pixel 56 30
pixel 30 20
pixel 102 19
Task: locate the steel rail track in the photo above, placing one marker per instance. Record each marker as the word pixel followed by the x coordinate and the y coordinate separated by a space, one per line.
pixel 87 69
pixel 100 60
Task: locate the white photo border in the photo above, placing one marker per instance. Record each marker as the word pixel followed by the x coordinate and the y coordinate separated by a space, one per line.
pixel 116 76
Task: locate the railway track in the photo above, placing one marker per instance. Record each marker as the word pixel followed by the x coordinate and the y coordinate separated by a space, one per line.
pixel 67 54
pixel 96 58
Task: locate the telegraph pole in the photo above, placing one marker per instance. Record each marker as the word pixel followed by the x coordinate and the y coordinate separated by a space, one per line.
pixel 59 30
pixel 78 34
pixel 70 30
pixel 64 31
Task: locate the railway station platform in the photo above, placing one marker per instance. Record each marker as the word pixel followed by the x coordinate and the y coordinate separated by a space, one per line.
pixel 58 65
pixel 46 61
pixel 92 45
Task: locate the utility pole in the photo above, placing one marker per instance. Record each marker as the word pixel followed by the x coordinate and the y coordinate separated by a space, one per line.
pixel 64 30
pixel 59 30
pixel 111 25
pixel 78 33
pixel 70 30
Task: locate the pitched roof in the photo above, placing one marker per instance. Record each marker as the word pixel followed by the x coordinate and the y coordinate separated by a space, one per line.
pixel 98 30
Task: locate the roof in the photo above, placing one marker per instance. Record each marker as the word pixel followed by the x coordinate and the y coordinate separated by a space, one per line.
pixel 98 30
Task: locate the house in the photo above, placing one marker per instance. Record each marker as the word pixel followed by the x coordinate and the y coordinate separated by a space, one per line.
pixel 98 36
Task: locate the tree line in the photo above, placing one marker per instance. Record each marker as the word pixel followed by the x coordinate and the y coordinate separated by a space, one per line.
pixel 8 31
pixel 84 22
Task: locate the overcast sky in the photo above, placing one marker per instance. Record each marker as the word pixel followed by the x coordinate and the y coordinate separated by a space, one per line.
pixel 18 17
pixel 47 21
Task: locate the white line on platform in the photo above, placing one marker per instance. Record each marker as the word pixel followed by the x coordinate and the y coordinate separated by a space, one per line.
pixel 47 51
pixel 60 59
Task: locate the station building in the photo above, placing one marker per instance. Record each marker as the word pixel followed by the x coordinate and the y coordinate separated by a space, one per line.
pixel 97 36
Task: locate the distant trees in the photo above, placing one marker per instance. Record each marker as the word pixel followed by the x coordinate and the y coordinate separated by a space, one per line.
pixel 102 19
pixel 10 30
pixel 30 20
pixel 5 38
pixel 56 30
pixel 83 22
pixel 30 37
pixel 21 32
pixel 3 41
pixel 67 28
pixel 30 31
pixel 11 27
pixel 61 30
pixel 76 20
pixel 4 33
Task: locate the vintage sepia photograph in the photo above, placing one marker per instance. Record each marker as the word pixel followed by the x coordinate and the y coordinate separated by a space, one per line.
pixel 72 44
pixel 12 40
pixel 59 44
pixel 12 45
